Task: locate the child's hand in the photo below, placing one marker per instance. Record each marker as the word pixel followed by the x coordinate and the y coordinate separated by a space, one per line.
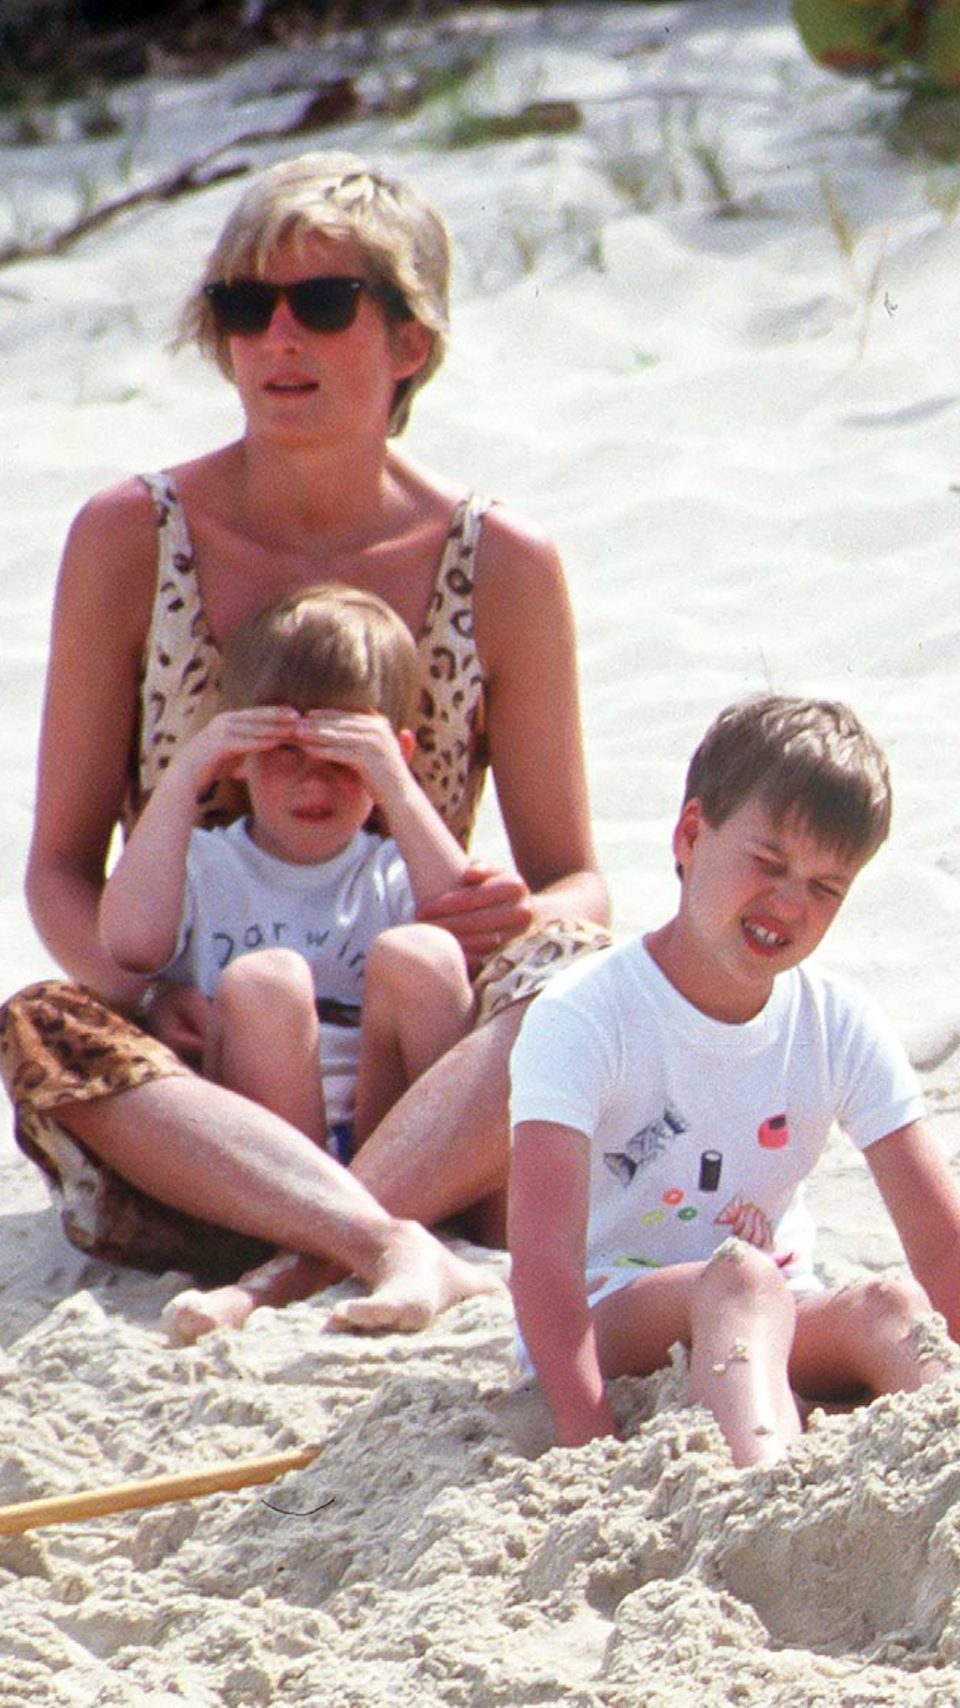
pixel 366 742
pixel 574 1425
pixel 217 749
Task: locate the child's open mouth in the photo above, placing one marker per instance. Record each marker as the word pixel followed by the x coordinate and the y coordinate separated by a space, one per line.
pixel 764 938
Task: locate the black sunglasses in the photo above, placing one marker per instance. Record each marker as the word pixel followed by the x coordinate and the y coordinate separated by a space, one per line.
pixel 328 303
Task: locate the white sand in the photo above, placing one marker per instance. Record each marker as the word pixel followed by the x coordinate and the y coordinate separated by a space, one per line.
pixel 737 418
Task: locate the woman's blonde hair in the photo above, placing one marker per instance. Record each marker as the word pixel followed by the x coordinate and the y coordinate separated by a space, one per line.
pixel 335 195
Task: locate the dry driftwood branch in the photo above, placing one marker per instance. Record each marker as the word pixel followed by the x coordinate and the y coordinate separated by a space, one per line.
pixel 331 103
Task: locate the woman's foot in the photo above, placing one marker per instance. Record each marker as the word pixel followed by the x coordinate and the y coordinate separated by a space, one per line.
pixel 418 1278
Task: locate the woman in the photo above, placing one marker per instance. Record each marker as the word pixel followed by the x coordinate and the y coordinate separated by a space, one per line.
pixel 325 303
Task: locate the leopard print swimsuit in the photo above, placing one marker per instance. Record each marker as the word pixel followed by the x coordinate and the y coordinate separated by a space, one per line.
pixel 180 679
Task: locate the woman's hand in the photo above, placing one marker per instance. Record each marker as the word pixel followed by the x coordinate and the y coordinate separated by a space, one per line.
pixel 488 907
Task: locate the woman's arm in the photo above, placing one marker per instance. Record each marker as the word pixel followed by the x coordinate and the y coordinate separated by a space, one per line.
pixel 549 1198
pixel 100 619
pixel 527 647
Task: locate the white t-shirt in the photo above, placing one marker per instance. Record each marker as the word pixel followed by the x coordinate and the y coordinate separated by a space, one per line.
pixel 239 899
pixel 700 1129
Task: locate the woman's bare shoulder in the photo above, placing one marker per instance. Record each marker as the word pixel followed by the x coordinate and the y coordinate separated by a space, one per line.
pixel 115 531
pixel 515 554
pixel 122 514
pixel 519 587
pixel 109 559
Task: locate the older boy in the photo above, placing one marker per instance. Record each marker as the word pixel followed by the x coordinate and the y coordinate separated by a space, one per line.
pixel 316 996
pixel 677 1090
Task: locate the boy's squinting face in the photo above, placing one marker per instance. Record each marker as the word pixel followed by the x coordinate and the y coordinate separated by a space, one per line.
pixel 304 809
pixel 758 896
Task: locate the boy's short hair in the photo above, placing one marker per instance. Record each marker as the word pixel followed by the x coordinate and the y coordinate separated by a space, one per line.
pixel 336 195
pixel 330 645
pixel 810 760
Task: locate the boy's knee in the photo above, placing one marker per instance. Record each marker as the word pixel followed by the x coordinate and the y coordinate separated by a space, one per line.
pixel 268 975
pixel 411 952
pixel 888 1300
pixel 740 1273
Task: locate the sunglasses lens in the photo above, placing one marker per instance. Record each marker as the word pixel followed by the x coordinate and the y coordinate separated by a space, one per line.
pixel 242 306
pixel 325 304
pixel 245 306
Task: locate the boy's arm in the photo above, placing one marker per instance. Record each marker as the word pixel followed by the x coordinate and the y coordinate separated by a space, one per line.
pixel 366 741
pixel 924 1202
pixel 142 902
pixel 549 1198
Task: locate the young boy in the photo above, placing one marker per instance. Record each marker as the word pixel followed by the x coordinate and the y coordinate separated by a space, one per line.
pixel 670 1096
pixel 292 922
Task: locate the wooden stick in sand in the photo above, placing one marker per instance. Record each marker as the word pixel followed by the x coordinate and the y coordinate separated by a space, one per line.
pixel 153 1491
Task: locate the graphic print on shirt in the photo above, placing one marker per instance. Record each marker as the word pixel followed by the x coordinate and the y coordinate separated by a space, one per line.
pixel 279 934
pixel 644 1147
pixel 711 1166
pixel 747 1222
pixel 773 1133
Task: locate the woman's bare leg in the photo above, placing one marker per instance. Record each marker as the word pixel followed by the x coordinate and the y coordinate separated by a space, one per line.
pixel 203 1149
pixel 417 1003
pixel 446 1144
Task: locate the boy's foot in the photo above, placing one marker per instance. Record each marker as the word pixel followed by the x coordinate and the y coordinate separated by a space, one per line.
pixel 418 1279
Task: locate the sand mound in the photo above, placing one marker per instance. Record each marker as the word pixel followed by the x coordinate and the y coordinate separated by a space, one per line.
pixel 434 1553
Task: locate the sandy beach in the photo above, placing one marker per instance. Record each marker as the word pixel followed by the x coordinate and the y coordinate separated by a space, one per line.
pixel 705 337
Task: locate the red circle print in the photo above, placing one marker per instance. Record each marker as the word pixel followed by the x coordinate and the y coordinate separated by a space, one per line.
pixel 773 1133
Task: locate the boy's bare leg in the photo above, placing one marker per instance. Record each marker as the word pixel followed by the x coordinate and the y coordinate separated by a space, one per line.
pixel 263 1041
pixel 263 1038
pixel 201 1148
pixel 742 1322
pixel 873 1336
pixel 417 1003
pixel 737 1316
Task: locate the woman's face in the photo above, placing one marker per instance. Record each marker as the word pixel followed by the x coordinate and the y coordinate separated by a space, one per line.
pixel 301 386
